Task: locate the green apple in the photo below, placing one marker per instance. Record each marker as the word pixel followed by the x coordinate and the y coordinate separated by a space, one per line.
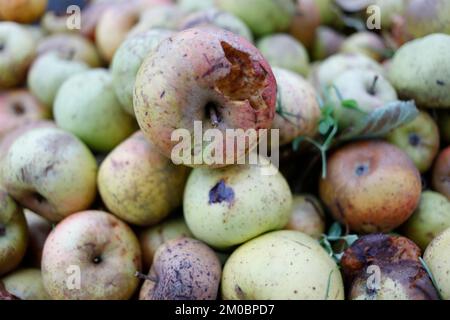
pixel 87 106
pixel 26 284
pixel 48 73
pixel 419 139
pixel 420 70
pixel 367 43
pixel 17 51
pixel 50 172
pixel 127 60
pixel 281 265
pixel 307 216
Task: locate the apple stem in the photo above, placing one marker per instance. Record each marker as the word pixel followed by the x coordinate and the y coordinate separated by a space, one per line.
pixel 372 87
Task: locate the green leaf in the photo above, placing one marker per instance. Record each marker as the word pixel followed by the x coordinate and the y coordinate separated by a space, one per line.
pixel 350 104
pixel 350 239
pixel 326 245
pixel 335 230
pixel 382 120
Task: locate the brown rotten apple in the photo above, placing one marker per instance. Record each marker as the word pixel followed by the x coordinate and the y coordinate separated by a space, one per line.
pixel 204 74
pixel 441 173
pixel 371 186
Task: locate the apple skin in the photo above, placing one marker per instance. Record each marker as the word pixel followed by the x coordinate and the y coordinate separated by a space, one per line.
pixel 307 216
pixel 13 233
pixel 140 185
pixel 218 18
pixel 327 43
pixel 48 73
pixel 429 220
pixel 183 269
pixel 18 107
pixel 5 295
pixel 38 231
pixel 371 186
pixel 419 139
pixel 50 172
pixel 441 173
pixel 367 43
pixel 368 88
pixel 200 67
pixel 304 26
pixel 195 5
pixel 26 284
pixel 152 237
pixel 281 265
pixel 262 16
pixel 22 11
pixel 104 248
pixel 226 207
pixel 17 51
pixel 298 111
pixel 420 69
pixel 127 60
pixel 86 105
pixel 284 51
pixel 444 125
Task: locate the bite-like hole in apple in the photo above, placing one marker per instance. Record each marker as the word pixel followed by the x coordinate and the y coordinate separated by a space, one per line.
pixel 246 80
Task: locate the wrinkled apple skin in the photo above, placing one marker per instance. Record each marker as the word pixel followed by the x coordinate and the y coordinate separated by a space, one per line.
pixel 420 70
pixel 429 220
pixel 103 247
pixel 151 238
pixel 419 139
pixel 367 43
pixel 218 18
pixel 22 11
pixel 183 269
pixel 38 231
pixel 262 16
pixel 281 265
pixel 282 50
pixel 127 60
pixel 86 105
pixel 371 186
pixel 17 51
pixel 26 284
pixel 49 72
pixel 17 108
pixel 307 216
pixel 140 185
pixel 298 110
pixel 196 68
pixel 50 172
pixel 226 207
pixel 441 173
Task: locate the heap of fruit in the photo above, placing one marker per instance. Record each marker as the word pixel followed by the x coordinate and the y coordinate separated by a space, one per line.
pixel 92 205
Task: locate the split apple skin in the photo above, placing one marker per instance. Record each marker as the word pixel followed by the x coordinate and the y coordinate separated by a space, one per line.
pixel 441 173
pixel 371 186
pixel 50 172
pixel 26 284
pixel 183 269
pixel 140 185
pixel 204 74
pixel 105 250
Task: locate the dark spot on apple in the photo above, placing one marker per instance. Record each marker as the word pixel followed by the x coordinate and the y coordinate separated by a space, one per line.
pixel 414 139
pixel 18 108
pixel 2 230
pixel 38 197
pixel 239 292
pixel 362 169
pixel 97 260
pixel 440 83
pixel 213 114
pixel 220 193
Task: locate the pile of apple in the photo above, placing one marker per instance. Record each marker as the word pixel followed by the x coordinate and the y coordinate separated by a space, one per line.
pixel 93 207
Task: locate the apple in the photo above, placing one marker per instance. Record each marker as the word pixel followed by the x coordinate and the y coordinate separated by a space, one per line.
pixel 55 22
pixel 328 11
pixel 327 43
pixel 218 18
pixel 127 60
pixel 50 172
pixel 371 186
pixel 306 21
pixel 17 51
pixel 444 125
pixel 367 43
pixel 97 247
pixel 49 72
pixel 307 216
pixel 419 139
pixel 5 295
pixel 86 105
pixel 74 45
pixel 281 265
pixel 195 5
pixel 140 185
pixel 392 11
pixel 13 233
pixel 368 88
pixel 91 15
pixel 262 16
pixel 284 51
pixel 441 173
pixel 183 269
pixel 38 231
pixel 226 207
pixel 208 75
pixel 298 111
pixel 18 107
pixel 429 220
pixel 22 11
pixel 36 31
pixel 420 70
pixel 152 237
pixel 26 284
